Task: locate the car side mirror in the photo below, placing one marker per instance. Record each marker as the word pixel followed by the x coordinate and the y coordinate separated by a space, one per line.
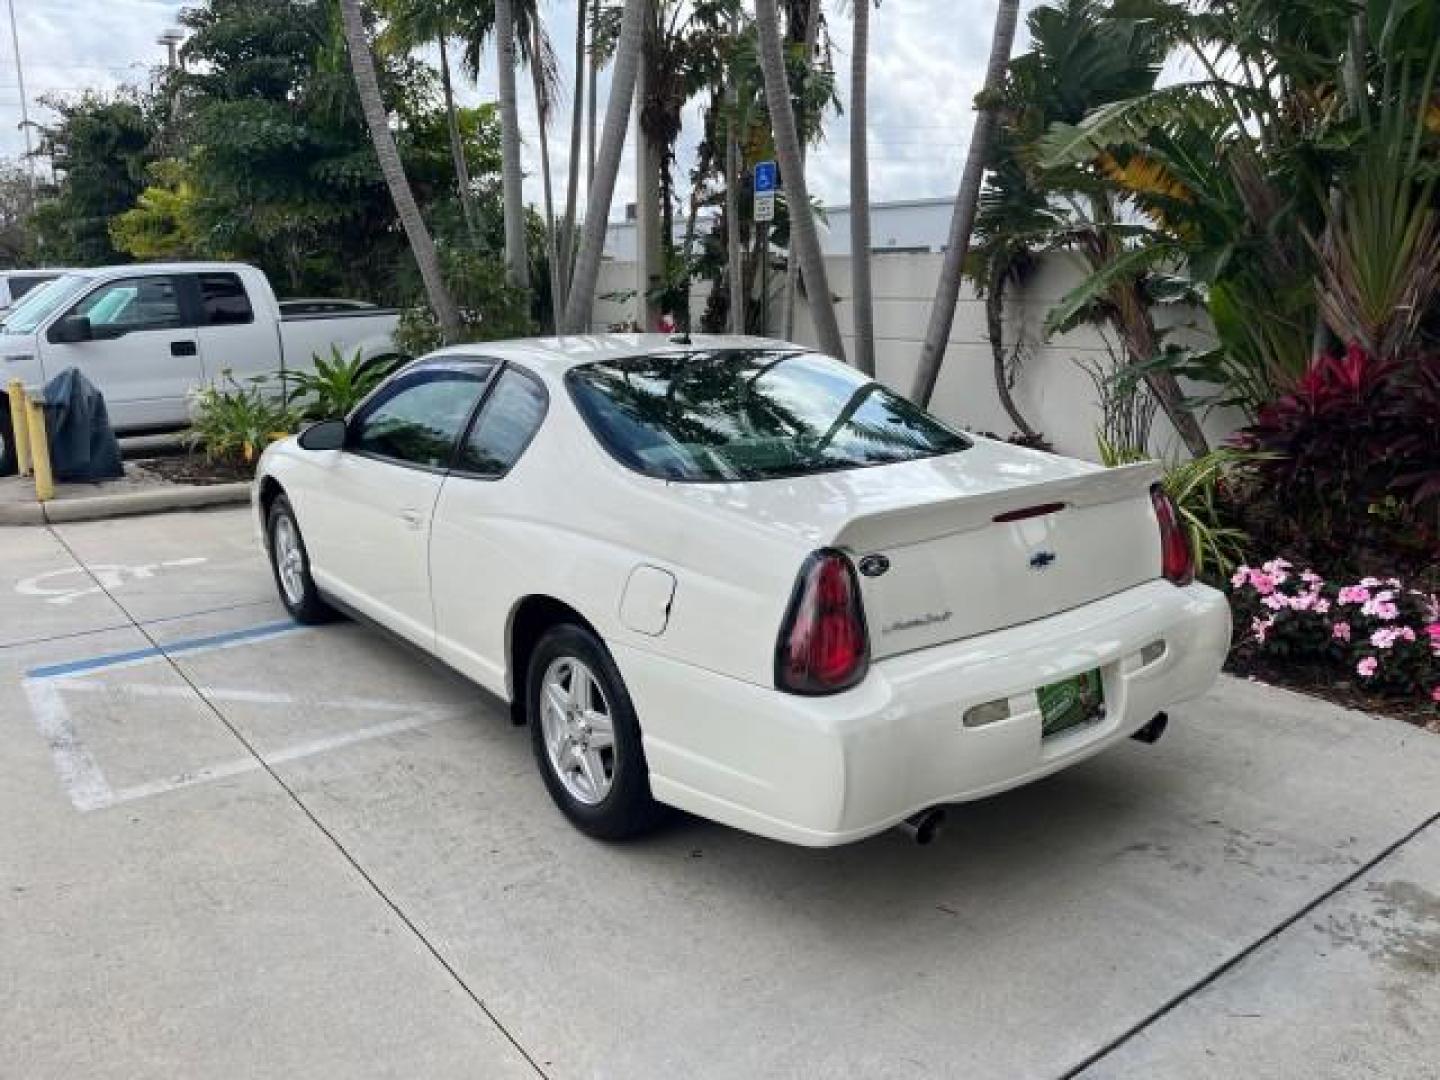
pixel 326 435
pixel 72 329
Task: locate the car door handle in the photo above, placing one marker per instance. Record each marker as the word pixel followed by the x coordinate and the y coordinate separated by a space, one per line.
pixel 413 518
pixel 183 348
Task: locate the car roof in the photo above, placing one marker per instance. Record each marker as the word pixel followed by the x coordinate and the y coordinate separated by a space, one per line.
pixel 556 355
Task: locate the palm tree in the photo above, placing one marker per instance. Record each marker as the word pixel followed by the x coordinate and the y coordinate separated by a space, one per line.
pixel 803 236
pixel 577 127
pixel 421 244
pixel 517 263
pixel 947 293
pixel 413 23
pixel 792 267
pixel 734 252
pixel 864 302
pixel 607 166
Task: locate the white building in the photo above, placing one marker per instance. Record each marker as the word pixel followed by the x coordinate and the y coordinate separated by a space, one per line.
pixel 909 226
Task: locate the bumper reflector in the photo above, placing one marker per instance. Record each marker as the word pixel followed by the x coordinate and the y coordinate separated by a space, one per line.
pixel 989 713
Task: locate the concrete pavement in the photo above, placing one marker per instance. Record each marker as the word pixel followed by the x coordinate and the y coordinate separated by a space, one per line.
pixel 237 846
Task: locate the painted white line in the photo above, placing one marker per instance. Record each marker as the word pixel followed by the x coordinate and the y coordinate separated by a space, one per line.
pixel 110 576
pixel 244 697
pixel 79 774
pixel 297 752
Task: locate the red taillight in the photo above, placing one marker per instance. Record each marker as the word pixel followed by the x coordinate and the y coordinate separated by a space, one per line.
pixel 1177 564
pixel 823 646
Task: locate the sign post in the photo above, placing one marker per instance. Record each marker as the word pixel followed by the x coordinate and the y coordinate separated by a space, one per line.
pixel 767 181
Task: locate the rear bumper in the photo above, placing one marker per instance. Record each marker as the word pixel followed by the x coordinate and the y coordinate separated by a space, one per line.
pixel 827 771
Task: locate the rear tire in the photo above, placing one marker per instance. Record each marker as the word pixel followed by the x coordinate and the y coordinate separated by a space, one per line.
pixel 586 737
pixel 290 564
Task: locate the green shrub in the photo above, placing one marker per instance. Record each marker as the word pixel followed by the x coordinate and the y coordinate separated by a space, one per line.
pixel 234 423
pixel 335 386
pixel 1195 485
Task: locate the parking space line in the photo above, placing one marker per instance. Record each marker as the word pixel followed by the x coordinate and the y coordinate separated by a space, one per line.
pixel 185 645
pixel 79 773
pixel 298 752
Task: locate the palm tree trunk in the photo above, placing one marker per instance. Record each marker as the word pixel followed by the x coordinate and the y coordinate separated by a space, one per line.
pixel 457 145
pixel 517 262
pixel 995 324
pixel 427 260
pixel 962 223
pixel 607 165
pixel 592 96
pixel 803 235
pixel 734 245
pixel 792 265
pixel 542 117
pixel 577 128
pixel 864 300
pixel 649 250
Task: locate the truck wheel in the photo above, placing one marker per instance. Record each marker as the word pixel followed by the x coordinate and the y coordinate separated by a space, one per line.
pixel 9 463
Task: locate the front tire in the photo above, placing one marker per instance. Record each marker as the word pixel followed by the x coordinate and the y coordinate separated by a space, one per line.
pixel 586 737
pixel 291 565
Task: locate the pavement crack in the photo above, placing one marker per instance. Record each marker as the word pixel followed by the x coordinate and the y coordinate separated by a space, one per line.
pixel 1219 972
pixel 295 798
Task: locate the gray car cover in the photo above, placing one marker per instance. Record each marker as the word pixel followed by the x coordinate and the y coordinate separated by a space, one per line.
pixel 82 443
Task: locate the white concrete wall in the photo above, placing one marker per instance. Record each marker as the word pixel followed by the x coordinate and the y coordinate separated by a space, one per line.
pixel 1053 392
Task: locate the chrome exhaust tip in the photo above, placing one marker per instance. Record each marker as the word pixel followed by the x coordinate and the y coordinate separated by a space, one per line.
pixel 924 826
pixel 1152 731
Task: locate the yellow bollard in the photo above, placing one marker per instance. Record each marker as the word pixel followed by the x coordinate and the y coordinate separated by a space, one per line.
pixel 19 427
pixel 40 451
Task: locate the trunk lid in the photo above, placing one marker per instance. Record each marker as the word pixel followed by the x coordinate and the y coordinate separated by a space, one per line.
pixel 972 542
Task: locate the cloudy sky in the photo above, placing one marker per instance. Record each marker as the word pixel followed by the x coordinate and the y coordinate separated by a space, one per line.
pixel 927 58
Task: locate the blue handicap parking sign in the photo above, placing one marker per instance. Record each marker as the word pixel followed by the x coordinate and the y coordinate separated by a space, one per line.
pixel 766 176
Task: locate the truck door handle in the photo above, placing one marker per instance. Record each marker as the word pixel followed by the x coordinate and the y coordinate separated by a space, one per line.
pixel 182 348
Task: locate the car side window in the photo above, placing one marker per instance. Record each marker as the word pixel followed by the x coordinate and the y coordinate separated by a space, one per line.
pixel 138 303
pixel 223 301
pixel 418 419
pixel 509 420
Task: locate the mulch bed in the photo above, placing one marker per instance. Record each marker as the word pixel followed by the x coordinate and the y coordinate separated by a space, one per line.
pixel 196 469
pixel 1321 683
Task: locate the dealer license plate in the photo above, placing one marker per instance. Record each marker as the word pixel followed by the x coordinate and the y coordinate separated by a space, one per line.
pixel 1072 703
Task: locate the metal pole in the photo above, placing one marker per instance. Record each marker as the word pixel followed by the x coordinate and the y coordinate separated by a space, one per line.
pixel 40 450
pixel 24 103
pixel 19 427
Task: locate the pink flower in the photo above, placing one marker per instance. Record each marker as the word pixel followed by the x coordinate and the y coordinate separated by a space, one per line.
pixel 1341 630
pixel 1322 606
pixel 1260 627
pixel 1435 694
pixel 1311 578
pixel 1433 631
pixel 1366 667
pixel 1354 594
pixel 1275 601
pixel 1381 605
pixel 1240 577
pixel 1370 582
pixel 1264 584
pixel 1386 636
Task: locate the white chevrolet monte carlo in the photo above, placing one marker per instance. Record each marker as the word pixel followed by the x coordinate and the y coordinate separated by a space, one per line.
pixel 742 579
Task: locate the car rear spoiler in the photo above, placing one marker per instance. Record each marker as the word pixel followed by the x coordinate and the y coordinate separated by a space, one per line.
pixel 964 513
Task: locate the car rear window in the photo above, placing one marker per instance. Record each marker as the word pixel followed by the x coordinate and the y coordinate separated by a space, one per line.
pixel 749 415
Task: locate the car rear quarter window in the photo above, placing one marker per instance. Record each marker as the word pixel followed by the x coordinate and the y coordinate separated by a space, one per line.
pixel 741 414
pixel 223 301
pixel 417 420
pixel 511 416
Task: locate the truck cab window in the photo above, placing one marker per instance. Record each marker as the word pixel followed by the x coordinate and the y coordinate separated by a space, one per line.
pixel 139 303
pixel 223 301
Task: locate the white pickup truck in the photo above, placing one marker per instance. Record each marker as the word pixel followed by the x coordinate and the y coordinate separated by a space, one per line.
pixel 148 334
